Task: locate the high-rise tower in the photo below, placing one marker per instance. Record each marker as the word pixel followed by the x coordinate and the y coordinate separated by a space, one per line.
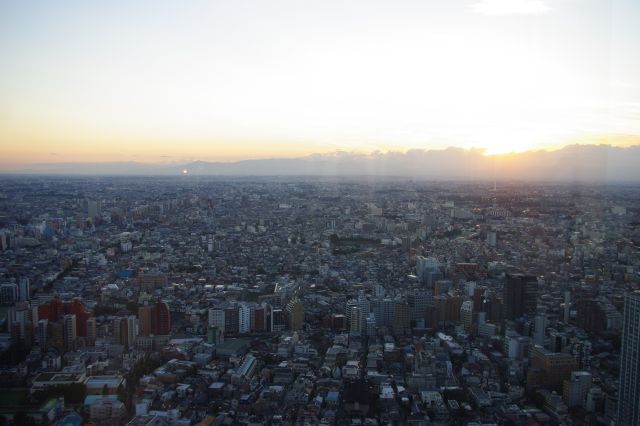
pixel 628 407
pixel 520 296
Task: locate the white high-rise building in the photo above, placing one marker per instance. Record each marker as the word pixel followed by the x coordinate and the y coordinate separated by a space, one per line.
pixel 629 393
pixel 540 326
pixel 365 308
pixel 466 315
pixel 244 318
pixel 133 329
pixel 355 325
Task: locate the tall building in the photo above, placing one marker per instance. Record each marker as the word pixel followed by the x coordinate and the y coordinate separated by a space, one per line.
pixel 295 314
pixel 466 315
pixel 91 330
pixel 162 318
pixel 231 320
pixel 8 294
pixel 69 330
pixel 520 296
pixel 401 318
pixel 244 318
pixel 43 332
pixel 427 270
pixel 132 330
pixel 419 301
pixel 94 209
pixel 540 326
pixel 259 318
pixel 550 369
pixel 216 318
pixel 20 323
pixel 145 320
pixel 355 324
pixel 56 309
pixel 629 394
pixel 384 312
pixel 598 316
pixel 278 320
pixel 24 289
pixel 365 308
pixel 371 324
pixel 574 390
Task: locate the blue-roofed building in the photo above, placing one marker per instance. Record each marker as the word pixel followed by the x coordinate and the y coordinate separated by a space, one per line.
pixel 91 399
pixel 72 419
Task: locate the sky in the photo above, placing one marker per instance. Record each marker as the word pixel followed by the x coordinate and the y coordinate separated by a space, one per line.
pixel 173 81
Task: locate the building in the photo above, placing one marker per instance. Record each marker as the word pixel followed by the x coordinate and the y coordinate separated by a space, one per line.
pixel 56 309
pixel 550 369
pixel 446 308
pixel 629 393
pixel 231 320
pixel 216 318
pixel 8 294
pixel 104 385
pixel 91 330
pixel 427 270
pixel 540 327
pixel 214 335
pixel 401 318
pixel 278 320
pixel 575 389
pixel 259 318
pixel 146 320
pixel 295 314
pixel 244 318
pixel 132 330
pixel 419 302
pixel 107 411
pixel 355 321
pixel 151 281
pixel 70 331
pixel 162 318
pixel 597 316
pixel 466 315
pixel 43 332
pixel 94 209
pixel 520 296
pixel 24 289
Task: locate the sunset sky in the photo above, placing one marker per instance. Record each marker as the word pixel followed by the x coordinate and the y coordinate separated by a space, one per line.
pixel 159 81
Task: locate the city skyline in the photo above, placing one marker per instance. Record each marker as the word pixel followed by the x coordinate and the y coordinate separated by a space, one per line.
pixel 162 83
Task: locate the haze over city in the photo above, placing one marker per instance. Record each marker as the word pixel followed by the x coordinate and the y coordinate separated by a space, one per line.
pixel 168 82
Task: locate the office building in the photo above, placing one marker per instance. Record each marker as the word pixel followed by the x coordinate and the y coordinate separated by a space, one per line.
pixel 295 314
pixel 466 315
pixel 520 296
pixel 70 330
pixel 629 393
pixel 244 318
pixel 355 321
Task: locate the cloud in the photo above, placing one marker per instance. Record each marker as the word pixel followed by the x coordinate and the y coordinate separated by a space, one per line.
pixel 511 7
